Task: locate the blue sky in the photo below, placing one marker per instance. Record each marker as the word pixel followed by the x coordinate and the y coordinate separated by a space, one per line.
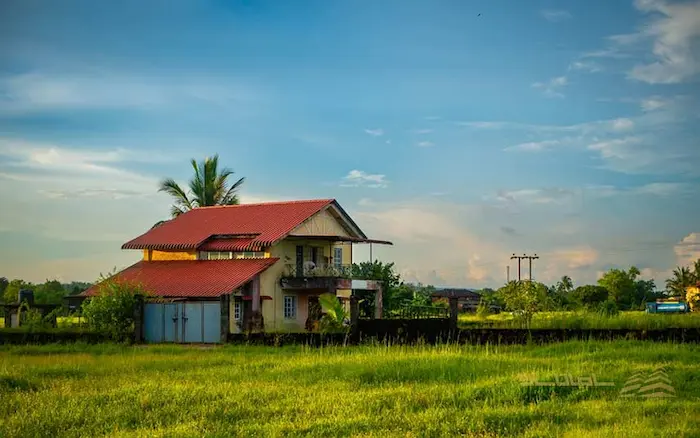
pixel 463 131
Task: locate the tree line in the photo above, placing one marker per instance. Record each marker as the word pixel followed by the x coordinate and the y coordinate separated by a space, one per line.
pixel 49 292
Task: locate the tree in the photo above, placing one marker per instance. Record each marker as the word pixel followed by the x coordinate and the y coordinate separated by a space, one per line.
pixel 51 292
pixel 209 186
pixel 560 293
pixel 3 285
pixel 112 310
pixel 682 279
pixel 524 298
pixel 11 293
pixel 621 286
pixel 589 296
pixel 696 271
pixel 390 281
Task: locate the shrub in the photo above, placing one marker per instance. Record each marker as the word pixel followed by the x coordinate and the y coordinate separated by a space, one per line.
pixel 608 308
pixel 483 310
pixel 335 318
pixel 112 310
pixel 693 298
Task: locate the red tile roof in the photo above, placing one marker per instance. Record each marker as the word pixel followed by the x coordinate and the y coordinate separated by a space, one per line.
pixel 232 244
pixel 270 221
pixel 191 278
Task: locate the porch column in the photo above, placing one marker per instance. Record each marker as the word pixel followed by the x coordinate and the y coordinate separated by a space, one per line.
pixel 225 301
pixel 354 310
pixel 255 293
pixel 378 300
pixel 256 318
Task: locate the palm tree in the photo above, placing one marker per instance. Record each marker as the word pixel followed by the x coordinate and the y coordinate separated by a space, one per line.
pixel 696 271
pixel 682 279
pixel 208 187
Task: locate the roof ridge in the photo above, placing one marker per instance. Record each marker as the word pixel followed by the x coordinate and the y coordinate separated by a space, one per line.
pixel 302 201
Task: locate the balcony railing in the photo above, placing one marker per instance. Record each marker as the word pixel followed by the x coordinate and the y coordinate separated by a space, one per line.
pixel 318 271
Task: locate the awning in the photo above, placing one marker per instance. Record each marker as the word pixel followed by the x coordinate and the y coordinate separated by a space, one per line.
pixel 341 239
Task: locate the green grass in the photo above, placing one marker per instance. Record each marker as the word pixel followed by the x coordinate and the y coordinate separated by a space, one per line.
pixel 586 320
pixel 447 390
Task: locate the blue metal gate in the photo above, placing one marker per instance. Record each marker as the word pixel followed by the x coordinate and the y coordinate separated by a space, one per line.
pixel 191 322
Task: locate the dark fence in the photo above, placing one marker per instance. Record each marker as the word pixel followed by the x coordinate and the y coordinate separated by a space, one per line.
pixel 50 336
pixel 402 333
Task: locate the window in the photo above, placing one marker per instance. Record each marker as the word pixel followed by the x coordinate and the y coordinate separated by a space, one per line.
pixel 237 310
pixel 219 255
pixel 338 257
pixel 290 307
pixel 249 255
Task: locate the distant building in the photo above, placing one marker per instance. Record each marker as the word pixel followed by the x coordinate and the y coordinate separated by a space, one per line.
pixel 467 299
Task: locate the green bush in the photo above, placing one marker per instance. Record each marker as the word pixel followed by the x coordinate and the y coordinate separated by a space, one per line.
pixel 608 308
pixel 112 310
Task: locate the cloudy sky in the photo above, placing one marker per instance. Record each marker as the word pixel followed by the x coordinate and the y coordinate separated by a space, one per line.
pixel 464 131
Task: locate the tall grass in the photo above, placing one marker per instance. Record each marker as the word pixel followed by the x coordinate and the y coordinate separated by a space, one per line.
pixel 444 390
pixel 586 320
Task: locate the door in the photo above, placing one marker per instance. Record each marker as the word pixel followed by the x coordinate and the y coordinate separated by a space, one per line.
pixel 195 322
pixel 192 323
pixel 153 325
pixel 300 261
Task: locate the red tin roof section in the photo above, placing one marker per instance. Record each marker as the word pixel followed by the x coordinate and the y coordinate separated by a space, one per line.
pixel 191 278
pixel 231 244
pixel 270 221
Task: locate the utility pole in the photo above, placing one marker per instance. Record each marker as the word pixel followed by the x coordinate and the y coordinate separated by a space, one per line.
pixel 519 258
pixel 525 256
pixel 530 259
pixel 507 274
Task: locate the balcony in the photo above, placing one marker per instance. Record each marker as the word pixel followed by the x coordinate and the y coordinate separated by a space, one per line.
pixel 323 276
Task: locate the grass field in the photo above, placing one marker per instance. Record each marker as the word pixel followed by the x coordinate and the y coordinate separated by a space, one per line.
pixel 355 391
pixel 586 320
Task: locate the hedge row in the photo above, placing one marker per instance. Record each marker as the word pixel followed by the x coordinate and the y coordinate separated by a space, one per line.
pixel 18 336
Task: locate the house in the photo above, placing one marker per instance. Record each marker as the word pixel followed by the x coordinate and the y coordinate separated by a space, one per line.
pixel 467 299
pixel 244 267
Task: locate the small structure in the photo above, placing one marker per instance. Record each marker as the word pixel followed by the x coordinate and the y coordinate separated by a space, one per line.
pixel 467 299
pixel 14 316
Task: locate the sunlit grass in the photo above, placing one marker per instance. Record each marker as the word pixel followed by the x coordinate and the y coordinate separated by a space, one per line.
pixel 444 390
pixel 586 320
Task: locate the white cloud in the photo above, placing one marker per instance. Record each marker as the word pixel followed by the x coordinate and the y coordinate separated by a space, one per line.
pixel 99 90
pixel 375 132
pixel 622 124
pixel 654 103
pixel 662 189
pixel 552 87
pixel 534 146
pixel 77 171
pixel 688 249
pixel 534 196
pixel 555 15
pixel 422 131
pixel 426 144
pixel 675 32
pixel 587 66
pixel 359 178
